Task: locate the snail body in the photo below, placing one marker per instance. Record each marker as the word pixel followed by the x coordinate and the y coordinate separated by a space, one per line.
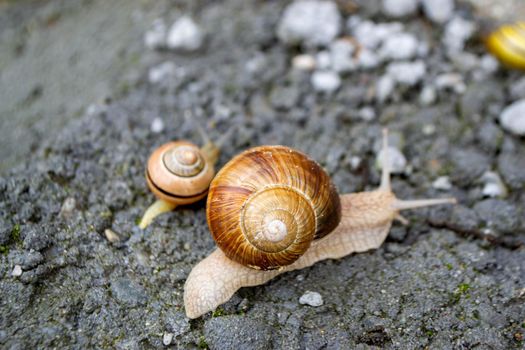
pixel 507 43
pixel 345 224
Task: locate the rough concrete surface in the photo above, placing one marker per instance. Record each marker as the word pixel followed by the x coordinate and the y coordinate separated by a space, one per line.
pixel 454 278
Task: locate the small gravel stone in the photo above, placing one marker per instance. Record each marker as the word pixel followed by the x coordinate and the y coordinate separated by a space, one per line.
pixel 442 183
pixel 407 73
pixel 517 89
pixel 438 11
pixel 323 60
pixel 68 207
pixel 371 35
pixel 155 38
pixel 453 81
pixel 489 64
pixel 167 338
pixel 428 95
pixel 311 298
pixel 367 114
pixel 128 292
pixel 468 165
pixel 499 215
pixel 325 81
pixel 111 236
pixel 399 8
pixel 304 62
pixel 341 52
pixel 311 22
pixel 185 35
pixel 384 88
pixel 493 185
pixel 399 46
pixel 510 166
pixel 17 271
pixel 457 32
pixel 368 59
pixel 162 72
pixel 157 125
pixel 398 161
pixel 512 118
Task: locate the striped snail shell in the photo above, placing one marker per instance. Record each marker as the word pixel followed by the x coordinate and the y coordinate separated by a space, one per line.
pixel 507 43
pixel 268 203
pixel 179 173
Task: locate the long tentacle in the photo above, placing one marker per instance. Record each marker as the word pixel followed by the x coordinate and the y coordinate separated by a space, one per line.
pixel 159 207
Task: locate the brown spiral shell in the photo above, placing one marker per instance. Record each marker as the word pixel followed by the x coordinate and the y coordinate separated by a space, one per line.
pixel 268 203
pixel 179 173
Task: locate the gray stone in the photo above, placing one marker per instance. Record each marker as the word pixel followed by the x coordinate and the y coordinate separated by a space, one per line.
pixel 493 186
pixel 442 183
pixel 177 323
pixel 371 35
pixel 285 97
pixel 468 165
pixel 399 8
pixel 511 167
pixel 167 338
pixel 407 73
pixel 325 81
pixel 185 35
pixel 499 215
pixel 384 87
pixel 237 332
pixel 341 54
pixel 27 260
pixel 517 89
pixel 368 59
pixel 311 298
pixel 128 292
pixel 311 22
pixel 397 160
pixel 427 96
pixel 17 271
pixel 438 11
pixel 162 72
pixel 512 118
pixel 464 219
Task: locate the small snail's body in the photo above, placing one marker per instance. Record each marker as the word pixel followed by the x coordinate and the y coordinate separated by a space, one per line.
pixel 507 43
pixel 364 223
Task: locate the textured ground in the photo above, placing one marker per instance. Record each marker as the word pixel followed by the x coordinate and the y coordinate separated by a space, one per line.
pixel 453 279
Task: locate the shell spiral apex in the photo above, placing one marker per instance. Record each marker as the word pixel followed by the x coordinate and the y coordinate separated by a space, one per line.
pixel 267 205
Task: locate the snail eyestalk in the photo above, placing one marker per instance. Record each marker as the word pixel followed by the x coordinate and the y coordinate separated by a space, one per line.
pixel 159 207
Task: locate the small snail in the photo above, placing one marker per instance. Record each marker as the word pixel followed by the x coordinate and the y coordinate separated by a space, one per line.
pixel 507 43
pixel 272 209
pixel 179 173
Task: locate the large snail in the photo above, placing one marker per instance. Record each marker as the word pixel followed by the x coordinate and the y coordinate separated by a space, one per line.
pixel 179 173
pixel 272 209
pixel 507 43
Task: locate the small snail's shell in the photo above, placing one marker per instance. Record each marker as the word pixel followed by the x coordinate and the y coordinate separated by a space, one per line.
pixel 507 43
pixel 179 173
pixel 267 204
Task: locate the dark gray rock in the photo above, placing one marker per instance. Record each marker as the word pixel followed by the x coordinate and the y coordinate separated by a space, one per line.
pixel 499 215
pixel 237 332
pixel 510 166
pixel 468 165
pixel 128 292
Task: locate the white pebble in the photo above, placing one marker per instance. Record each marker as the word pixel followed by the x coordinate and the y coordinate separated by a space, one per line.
pixel 453 81
pixel 323 60
pixel 399 8
pixel 489 64
pixel 371 35
pixel 341 55
pixel 303 62
pixel 512 118
pixel 157 125
pixel 355 162
pixel 155 38
pixel 312 22
pixel 427 96
pixel 311 298
pixel 457 32
pixel 367 114
pixel 326 81
pixel 111 236
pixel 397 160
pixel 185 35
pixel 368 59
pixel 400 46
pixel 442 183
pixel 161 72
pixel 493 185
pixel 17 271
pixel 384 88
pixel 438 11
pixel 167 338
pixel 407 73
